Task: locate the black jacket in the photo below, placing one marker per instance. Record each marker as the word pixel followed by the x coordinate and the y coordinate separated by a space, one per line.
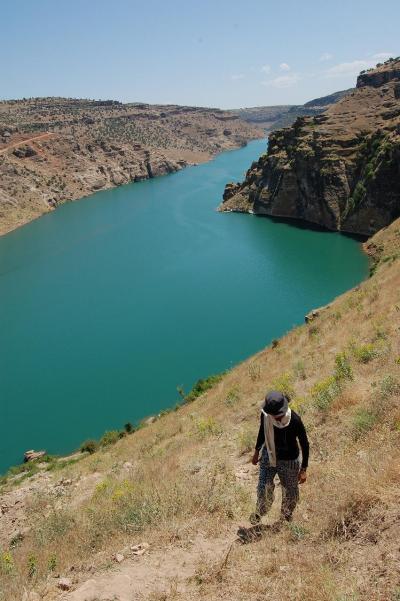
pixel 286 440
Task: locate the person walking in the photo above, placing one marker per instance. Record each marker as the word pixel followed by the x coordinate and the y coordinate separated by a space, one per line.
pixel 281 429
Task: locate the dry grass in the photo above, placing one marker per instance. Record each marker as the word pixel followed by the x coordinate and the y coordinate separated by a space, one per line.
pixel 343 545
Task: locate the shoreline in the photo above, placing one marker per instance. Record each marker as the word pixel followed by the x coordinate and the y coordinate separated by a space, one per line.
pixel 203 157
pixel 129 429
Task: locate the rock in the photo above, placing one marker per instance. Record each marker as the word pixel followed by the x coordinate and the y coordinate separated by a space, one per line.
pixel 119 558
pixel 140 549
pixel 315 313
pixel 127 465
pixel 151 420
pixel 32 455
pixel 230 190
pixel 24 152
pixel 64 584
pixel 66 482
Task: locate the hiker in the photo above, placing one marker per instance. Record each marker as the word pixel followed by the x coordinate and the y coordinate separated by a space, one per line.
pixel 280 429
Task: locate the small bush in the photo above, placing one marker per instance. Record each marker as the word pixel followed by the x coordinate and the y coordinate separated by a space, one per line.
pixel 246 441
pixel 6 563
pixel 343 369
pixel 297 532
pixel 32 565
pixel 284 384
pixel 109 438
pixel 232 397
pixel 129 428
pixel 364 353
pixel 89 446
pixel 364 420
pixel 389 386
pixel 52 562
pixel 208 426
pixel 202 386
pixel 324 392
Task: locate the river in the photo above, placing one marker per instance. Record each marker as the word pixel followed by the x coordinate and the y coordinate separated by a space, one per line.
pixel 109 303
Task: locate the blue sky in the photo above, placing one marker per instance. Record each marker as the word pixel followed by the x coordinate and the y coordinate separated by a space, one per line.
pixel 208 53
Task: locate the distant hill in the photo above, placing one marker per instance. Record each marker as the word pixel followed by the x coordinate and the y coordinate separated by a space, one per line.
pixel 275 117
pixel 58 149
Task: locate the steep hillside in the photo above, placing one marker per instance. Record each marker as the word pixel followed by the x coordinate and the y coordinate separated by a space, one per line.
pixel 341 169
pixel 183 483
pixel 57 149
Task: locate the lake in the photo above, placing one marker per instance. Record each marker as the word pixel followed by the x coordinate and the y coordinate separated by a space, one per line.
pixel 109 303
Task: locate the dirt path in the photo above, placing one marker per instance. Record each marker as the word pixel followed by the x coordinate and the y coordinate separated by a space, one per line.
pixel 160 572
pixel 22 142
pixel 156 573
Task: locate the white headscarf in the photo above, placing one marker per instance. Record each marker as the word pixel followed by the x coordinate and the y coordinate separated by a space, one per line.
pixel 270 422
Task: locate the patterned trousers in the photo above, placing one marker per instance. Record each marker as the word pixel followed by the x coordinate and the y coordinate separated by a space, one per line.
pixel 288 472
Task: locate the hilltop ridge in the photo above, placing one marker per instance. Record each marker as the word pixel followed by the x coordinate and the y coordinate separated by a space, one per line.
pixel 340 169
pixel 275 117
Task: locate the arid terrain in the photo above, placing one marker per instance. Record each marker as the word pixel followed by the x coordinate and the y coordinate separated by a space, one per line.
pixel 154 516
pixel 275 117
pixel 57 149
pixel 340 169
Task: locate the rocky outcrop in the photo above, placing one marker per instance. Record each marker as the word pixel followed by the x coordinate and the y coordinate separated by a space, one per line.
pixel 340 170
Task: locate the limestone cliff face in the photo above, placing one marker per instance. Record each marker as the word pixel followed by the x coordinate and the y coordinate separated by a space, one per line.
pixel 340 170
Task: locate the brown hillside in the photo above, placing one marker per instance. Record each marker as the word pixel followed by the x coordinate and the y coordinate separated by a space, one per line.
pixel 184 483
pixel 57 149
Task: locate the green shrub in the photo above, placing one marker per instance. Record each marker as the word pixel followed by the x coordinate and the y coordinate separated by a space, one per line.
pixel 202 386
pixel 343 369
pixel 52 562
pixel 89 446
pixel 364 353
pixel 284 384
pixel 109 438
pixel 232 397
pixel 32 565
pixel 208 426
pixel 388 386
pixel 6 563
pixel 246 440
pixel 364 420
pixel 324 392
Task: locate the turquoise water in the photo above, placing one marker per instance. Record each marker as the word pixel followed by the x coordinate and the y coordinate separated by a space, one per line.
pixel 108 304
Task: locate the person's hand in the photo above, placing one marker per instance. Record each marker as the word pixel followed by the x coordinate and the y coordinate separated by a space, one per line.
pixel 254 459
pixel 302 476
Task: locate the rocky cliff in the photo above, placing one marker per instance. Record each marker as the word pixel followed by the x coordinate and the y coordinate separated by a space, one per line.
pixel 340 170
pixel 57 149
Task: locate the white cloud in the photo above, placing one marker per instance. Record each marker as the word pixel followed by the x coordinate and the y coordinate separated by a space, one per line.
pixel 266 69
pixel 326 57
pixel 237 76
pixel 349 69
pixel 382 56
pixel 283 81
pixel 284 67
